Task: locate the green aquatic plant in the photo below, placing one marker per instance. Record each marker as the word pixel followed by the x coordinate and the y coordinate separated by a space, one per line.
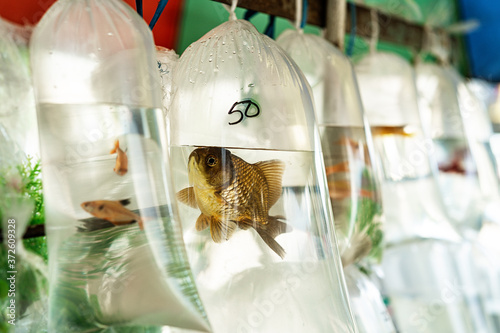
pixel 26 180
pixel 368 221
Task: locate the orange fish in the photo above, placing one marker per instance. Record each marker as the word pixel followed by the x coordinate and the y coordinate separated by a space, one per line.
pixel 392 130
pixel 231 192
pixel 112 211
pixel 347 141
pixel 341 189
pixel 339 167
pixel 121 166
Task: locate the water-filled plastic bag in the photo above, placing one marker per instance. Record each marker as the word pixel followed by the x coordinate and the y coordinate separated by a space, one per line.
pixel 438 93
pixel 116 251
pixel 461 132
pixel 409 192
pixel 250 177
pixel 346 149
pixel 352 186
pixel 424 255
pixel 25 279
pixel 370 312
pixel 17 111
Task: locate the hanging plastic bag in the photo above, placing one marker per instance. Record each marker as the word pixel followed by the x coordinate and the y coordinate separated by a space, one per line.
pixel 403 149
pixel 353 190
pixel 24 279
pixel 477 96
pixel 425 256
pixel 105 175
pixel 167 60
pixel 458 173
pixel 249 175
pixel 468 182
pixel 369 308
pixel 17 111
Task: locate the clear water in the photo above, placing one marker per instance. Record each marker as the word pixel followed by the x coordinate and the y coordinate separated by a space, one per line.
pixel 458 181
pixel 427 288
pixel 76 141
pixel 244 285
pixel 411 198
pixel 486 169
pixel 432 288
pixel 353 190
pixel 367 305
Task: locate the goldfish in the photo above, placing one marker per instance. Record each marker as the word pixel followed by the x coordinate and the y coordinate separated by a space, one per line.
pixel 347 141
pixel 112 211
pixel 231 192
pixel 339 167
pixel 392 130
pixel 341 189
pixel 121 165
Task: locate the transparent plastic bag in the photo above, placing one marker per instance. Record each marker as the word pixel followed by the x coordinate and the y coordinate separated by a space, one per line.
pixel 354 192
pixel 167 60
pixel 458 172
pixel 24 279
pixel 478 96
pixel 105 166
pixel 17 111
pixel 424 251
pixel 471 191
pixel 367 304
pixel 409 188
pixel 265 258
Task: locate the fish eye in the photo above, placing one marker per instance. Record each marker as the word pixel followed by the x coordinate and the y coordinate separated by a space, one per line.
pixel 211 161
pixel 100 207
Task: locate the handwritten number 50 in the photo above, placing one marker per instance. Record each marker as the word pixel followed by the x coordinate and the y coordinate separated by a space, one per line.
pixel 248 112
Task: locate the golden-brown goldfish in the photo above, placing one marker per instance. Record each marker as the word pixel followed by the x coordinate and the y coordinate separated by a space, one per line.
pixel 112 211
pixel 231 192
pixel 341 189
pixel 121 166
pixel 392 130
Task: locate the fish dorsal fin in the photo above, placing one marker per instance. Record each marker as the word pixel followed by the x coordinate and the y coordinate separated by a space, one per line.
pixel 202 222
pixel 221 231
pixel 115 148
pixel 186 196
pixel 273 171
pixel 124 202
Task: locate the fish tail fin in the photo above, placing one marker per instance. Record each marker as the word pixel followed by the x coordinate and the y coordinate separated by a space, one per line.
pixel 272 243
pixel 124 202
pixel 276 226
pixel 271 230
pixel 115 149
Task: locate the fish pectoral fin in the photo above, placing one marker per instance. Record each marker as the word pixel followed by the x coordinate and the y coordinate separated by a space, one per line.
pixel 124 202
pixel 186 196
pixel 221 231
pixel 273 172
pixel 202 222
